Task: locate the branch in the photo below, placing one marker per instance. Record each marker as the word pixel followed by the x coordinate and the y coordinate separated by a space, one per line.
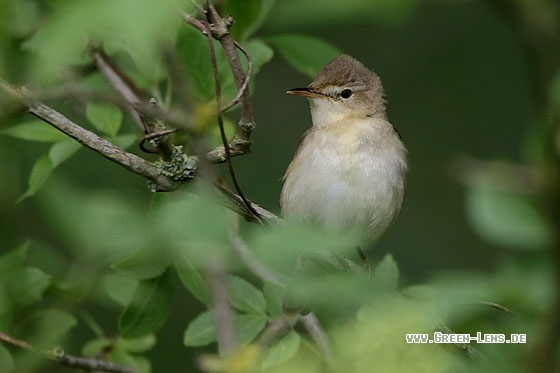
pixel 248 258
pixel 241 142
pixel 466 348
pixel 495 306
pixel 89 139
pixel 315 330
pixel 245 86
pixel 147 113
pixel 131 162
pixel 150 121
pixel 218 89
pixel 120 83
pixel 59 356
pixel 221 309
pixel 276 328
pixel 235 203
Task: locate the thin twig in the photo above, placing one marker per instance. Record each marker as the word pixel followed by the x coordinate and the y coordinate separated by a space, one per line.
pixel 494 305
pixel 89 364
pixel 235 203
pixel 154 123
pixel 90 140
pixel 218 21
pixel 245 85
pixel 275 329
pixel 149 121
pixel 136 102
pixel 130 161
pixel 221 33
pixel 193 21
pixel 59 356
pixel 315 330
pixel 15 342
pixel 241 142
pixel 221 309
pixel 466 348
pixel 252 262
pixel 153 136
pixel 120 83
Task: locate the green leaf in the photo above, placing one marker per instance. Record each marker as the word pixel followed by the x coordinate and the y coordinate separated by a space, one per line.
pixel 107 118
pixel 248 15
pixel 192 47
pixel 334 293
pixel 248 326
pixel 62 151
pixel 307 54
pixel 148 308
pixel 244 12
pixel 394 317
pixel 508 219
pixel 282 351
pixel 215 135
pixel 138 345
pixel 45 165
pixel 35 130
pixel 196 224
pixel 6 360
pixel 266 7
pixel 97 346
pixel 137 27
pixel 27 286
pixel 244 296
pixel 201 331
pixel 119 288
pixel 50 326
pixel 125 141
pixel 122 357
pixel 39 174
pixel 13 261
pixel 281 247
pixel 144 264
pixel 190 277
pixel 274 296
pixel 19 18
pixel 260 53
pixel 91 218
pixel 387 272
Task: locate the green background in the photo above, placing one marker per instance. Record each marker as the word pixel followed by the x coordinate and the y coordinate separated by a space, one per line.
pixel 458 82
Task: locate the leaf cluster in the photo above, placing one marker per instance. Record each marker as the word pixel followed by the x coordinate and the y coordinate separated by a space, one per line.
pixel 136 256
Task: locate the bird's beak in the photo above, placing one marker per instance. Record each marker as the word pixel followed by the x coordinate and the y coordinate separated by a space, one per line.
pixel 306 92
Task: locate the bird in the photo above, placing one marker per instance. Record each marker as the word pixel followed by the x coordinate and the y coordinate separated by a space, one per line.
pixel 348 173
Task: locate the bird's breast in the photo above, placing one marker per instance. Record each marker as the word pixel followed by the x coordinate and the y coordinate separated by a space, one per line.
pixel 347 178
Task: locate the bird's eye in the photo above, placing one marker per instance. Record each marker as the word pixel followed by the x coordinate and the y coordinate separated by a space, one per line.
pixel 346 93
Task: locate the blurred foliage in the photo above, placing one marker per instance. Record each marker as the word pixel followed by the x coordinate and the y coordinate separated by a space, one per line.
pixel 309 60
pixel 98 271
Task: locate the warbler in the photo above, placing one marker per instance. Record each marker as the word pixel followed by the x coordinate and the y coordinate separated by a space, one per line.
pixel 349 170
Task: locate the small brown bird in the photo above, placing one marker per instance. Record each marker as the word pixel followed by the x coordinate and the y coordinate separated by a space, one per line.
pixel 349 170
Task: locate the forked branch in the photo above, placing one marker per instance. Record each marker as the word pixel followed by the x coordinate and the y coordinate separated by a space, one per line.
pixel 131 162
